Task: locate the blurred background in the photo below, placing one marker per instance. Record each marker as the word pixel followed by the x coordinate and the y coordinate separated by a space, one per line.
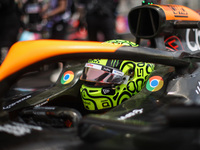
pixel 68 20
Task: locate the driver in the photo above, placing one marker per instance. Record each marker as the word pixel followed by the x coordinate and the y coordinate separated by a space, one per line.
pixel 108 83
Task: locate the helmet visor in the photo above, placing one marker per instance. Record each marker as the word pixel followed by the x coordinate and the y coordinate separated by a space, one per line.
pixel 102 74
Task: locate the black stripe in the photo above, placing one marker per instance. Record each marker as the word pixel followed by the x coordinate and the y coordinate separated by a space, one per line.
pixel 98 97
pixel 129 62
pixel 115 63
pixel 124 93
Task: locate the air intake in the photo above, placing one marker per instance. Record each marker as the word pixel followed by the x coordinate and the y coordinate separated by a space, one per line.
pixel 144 22
pixel 149 21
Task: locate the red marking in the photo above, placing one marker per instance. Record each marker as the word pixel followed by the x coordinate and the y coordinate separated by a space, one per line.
pixel 172 46
pixel 90 65
pixel 68 123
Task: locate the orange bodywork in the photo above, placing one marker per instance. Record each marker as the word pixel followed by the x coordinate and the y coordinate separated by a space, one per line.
pixel 179 12
pixel 25 53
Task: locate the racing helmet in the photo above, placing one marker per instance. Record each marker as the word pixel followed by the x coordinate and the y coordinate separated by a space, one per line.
pixel 110 82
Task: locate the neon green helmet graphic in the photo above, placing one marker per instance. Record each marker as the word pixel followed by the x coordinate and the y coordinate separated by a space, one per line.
pixel 110 82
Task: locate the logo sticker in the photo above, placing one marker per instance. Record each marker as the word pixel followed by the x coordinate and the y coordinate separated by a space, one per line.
pixel 198 88
pixel 67 77
pixel 155 83
pixel 131 114
pixel 173 43
pixel 179 11
pixel 18 129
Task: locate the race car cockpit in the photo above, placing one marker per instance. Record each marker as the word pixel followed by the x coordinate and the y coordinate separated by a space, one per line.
pixel 164 113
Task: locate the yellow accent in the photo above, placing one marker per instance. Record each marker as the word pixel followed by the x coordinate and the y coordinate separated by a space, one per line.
pixel 25 53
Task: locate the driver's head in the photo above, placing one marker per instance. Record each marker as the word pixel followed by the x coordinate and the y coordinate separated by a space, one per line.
pixel 110 82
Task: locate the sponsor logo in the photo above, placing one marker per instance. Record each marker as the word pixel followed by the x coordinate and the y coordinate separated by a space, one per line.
pixel 16 102
pixel 43 103
pixel 192 39
pixel 95 66
pixel 179 11
pixel 106 69
pixel 155 83
pixel 198 88
pixel 18 129
pixel 67 77
pixel 131 114
pixel 173 43
pixel 118 72
pixel 106 91
pixel 89 65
